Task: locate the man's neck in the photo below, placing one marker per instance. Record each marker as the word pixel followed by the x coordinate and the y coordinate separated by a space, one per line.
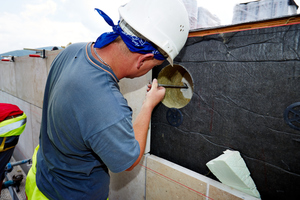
pixel 116 59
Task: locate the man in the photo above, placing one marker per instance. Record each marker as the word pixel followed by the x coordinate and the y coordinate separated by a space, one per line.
pixel 12 124
pixel 86 125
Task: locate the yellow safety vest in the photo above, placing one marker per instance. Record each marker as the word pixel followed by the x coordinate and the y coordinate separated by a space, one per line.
pixel 11 128
pixel 31 189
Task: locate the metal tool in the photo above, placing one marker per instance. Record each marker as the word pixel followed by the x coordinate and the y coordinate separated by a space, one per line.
pixel 174 86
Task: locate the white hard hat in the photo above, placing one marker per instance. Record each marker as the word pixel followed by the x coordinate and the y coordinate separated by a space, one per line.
pixel 163 22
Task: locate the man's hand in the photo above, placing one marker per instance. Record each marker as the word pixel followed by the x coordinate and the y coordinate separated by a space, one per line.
pixel 154 94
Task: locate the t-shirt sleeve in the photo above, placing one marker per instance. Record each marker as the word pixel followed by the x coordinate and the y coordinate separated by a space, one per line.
pixel 116 146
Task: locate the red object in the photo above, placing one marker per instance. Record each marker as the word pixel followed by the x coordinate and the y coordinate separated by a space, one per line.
pixel 7 110
pixel 5 60
pixel 35 55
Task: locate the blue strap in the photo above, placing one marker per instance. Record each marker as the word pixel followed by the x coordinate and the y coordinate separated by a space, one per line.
pixel 134 43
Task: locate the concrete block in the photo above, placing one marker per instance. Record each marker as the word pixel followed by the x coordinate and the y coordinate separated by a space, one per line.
pixel 7 77
pixel 24 75
pixel 219 194
pixel 25 141
pixel 50 57
pixel 39 82
pixel 31 74
pixel 166 180
pixel 129 185
pixel 3 96
pixel 36 119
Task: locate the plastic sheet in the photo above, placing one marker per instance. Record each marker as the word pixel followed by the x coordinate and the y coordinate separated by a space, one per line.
pixel 192 9
pixel 265 9
pixel 206 19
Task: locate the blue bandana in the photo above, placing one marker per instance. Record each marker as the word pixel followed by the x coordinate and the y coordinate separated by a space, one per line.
pixel 134 43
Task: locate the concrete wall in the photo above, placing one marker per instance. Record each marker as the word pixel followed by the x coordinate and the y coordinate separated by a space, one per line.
pixel 22 83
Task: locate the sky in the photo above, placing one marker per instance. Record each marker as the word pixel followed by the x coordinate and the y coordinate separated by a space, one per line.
pixel 41 23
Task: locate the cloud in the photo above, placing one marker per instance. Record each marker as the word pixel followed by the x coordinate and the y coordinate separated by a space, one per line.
pixel 39 10
pixel 49 23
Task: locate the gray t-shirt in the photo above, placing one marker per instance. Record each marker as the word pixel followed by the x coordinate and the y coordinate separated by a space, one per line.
pixel 86 128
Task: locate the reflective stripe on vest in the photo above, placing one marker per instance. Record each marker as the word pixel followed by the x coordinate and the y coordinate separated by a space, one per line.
pixel 13 127
pixel 8 142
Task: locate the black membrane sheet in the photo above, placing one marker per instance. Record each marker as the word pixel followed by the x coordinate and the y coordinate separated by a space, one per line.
pixel 243 82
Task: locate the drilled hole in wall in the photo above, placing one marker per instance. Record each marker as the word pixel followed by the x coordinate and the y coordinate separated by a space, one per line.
pixel 176 75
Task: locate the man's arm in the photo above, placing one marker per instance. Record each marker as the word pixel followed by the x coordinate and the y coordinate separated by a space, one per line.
pixel 154 96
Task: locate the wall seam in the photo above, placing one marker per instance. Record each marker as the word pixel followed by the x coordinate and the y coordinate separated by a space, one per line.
pixel 146 161
pixel 20 99
pixel 207 191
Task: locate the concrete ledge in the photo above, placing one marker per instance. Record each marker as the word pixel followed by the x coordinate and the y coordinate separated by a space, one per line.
pixel 166 180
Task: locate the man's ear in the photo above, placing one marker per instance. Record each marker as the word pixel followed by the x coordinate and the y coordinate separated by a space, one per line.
pixel 144 57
